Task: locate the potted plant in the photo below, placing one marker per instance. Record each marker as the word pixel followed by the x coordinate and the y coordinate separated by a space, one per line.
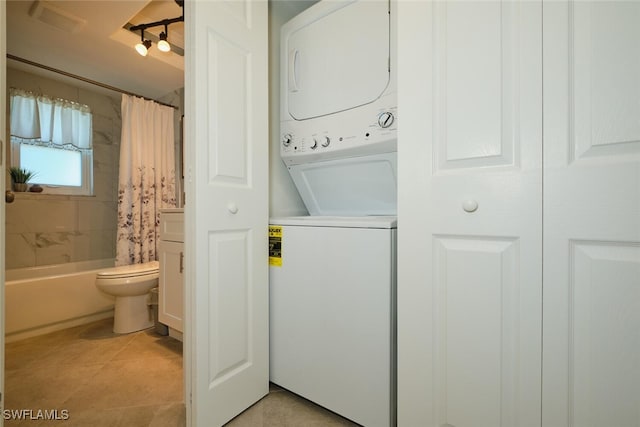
pixel 20 177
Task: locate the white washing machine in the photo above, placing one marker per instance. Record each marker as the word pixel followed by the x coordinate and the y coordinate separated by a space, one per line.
pixel 332 280
pixel 332 314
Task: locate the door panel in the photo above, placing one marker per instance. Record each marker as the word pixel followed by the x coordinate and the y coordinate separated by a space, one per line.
pixel 477 299
pixel 231 314
pixel 228 132
pixel 226 208
pixel 592 214
pixel 604 291
pixel 477 79
pixel 604 78
pixel 470 201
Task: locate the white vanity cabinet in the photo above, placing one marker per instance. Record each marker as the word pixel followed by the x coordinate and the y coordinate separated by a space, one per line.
pixel 171 258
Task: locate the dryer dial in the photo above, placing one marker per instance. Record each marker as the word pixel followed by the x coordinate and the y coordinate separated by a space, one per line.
pixel 385 119
pixel 315 144
pixel 326 141
pixel 286 139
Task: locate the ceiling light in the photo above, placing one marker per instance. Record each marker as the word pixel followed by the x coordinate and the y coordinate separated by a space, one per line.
pixel 143 47
pixel 163 44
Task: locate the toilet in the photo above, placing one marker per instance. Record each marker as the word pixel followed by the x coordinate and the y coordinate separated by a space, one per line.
pixel 130 285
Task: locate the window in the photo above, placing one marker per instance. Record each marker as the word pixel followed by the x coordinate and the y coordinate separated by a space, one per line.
pixel 53 138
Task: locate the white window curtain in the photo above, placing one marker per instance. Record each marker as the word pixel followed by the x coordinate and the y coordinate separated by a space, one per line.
pixel 50 121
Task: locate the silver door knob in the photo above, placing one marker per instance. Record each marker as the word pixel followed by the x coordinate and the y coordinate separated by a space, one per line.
pixel 470 206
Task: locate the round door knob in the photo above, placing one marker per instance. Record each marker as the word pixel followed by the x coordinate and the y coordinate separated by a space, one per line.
pixel 233 208
pixel 385 119
pixel 470 206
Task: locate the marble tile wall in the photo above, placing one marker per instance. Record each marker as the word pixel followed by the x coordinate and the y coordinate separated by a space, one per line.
pixel 44 229
pixel 177 98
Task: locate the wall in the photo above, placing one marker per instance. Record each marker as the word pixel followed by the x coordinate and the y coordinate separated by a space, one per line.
pixel 284 199
pixel 46 229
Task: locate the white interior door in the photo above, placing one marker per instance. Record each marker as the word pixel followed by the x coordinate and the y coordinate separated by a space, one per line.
pixel 226 210
pixel 470 214
pixel 592 214
pixel 3 82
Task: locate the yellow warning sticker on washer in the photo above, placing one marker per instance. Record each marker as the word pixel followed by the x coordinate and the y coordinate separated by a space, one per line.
pixel 275 245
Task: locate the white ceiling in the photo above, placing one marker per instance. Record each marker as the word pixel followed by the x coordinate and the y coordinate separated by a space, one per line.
pixel 101 49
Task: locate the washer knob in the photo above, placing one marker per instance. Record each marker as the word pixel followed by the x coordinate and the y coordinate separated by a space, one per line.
pixel 315 144
pixel 385 119
pixel 326 141
pixel 286 139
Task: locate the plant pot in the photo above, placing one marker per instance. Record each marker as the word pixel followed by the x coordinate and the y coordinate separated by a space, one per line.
pixel 20 186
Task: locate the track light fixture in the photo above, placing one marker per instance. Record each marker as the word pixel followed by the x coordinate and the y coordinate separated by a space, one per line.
pixel 143 47
pixel 163 45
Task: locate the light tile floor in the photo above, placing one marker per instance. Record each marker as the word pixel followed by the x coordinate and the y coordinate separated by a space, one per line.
pixel 100 378
pixel 135 380
pixel 281 408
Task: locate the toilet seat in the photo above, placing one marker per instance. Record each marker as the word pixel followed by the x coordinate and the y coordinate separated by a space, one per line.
pixel 134 270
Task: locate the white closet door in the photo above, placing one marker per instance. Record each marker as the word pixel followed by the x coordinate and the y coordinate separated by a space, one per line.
pixel 591 214
pixel 470 214
pixel 226 210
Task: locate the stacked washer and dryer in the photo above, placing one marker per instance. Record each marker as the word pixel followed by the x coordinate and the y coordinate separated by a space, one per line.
pixel 332 294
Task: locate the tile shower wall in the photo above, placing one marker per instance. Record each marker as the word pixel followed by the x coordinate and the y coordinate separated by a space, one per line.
pixel 177 98
pixel 46 229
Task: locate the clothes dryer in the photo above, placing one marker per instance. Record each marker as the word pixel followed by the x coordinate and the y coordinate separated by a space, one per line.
pixel 338 111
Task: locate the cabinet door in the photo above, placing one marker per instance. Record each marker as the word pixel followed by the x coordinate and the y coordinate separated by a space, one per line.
pixel 591 371
pixel 171 302
pixel 470 214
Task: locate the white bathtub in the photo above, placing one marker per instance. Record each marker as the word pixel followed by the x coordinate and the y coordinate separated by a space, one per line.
pixel 44 299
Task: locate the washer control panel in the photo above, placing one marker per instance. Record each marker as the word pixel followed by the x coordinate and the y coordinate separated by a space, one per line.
pixel 358 133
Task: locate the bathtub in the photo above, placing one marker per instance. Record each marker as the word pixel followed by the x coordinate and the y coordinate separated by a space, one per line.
pixel 44 299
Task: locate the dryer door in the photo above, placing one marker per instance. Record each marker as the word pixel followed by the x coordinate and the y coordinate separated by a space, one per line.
pixel 336 59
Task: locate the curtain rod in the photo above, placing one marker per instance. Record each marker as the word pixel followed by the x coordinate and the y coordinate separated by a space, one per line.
pixel 86 80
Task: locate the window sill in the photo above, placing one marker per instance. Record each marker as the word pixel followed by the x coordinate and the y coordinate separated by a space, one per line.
pixel 28 195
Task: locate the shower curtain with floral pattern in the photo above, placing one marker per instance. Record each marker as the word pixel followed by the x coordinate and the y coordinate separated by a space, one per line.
pixel 146 179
